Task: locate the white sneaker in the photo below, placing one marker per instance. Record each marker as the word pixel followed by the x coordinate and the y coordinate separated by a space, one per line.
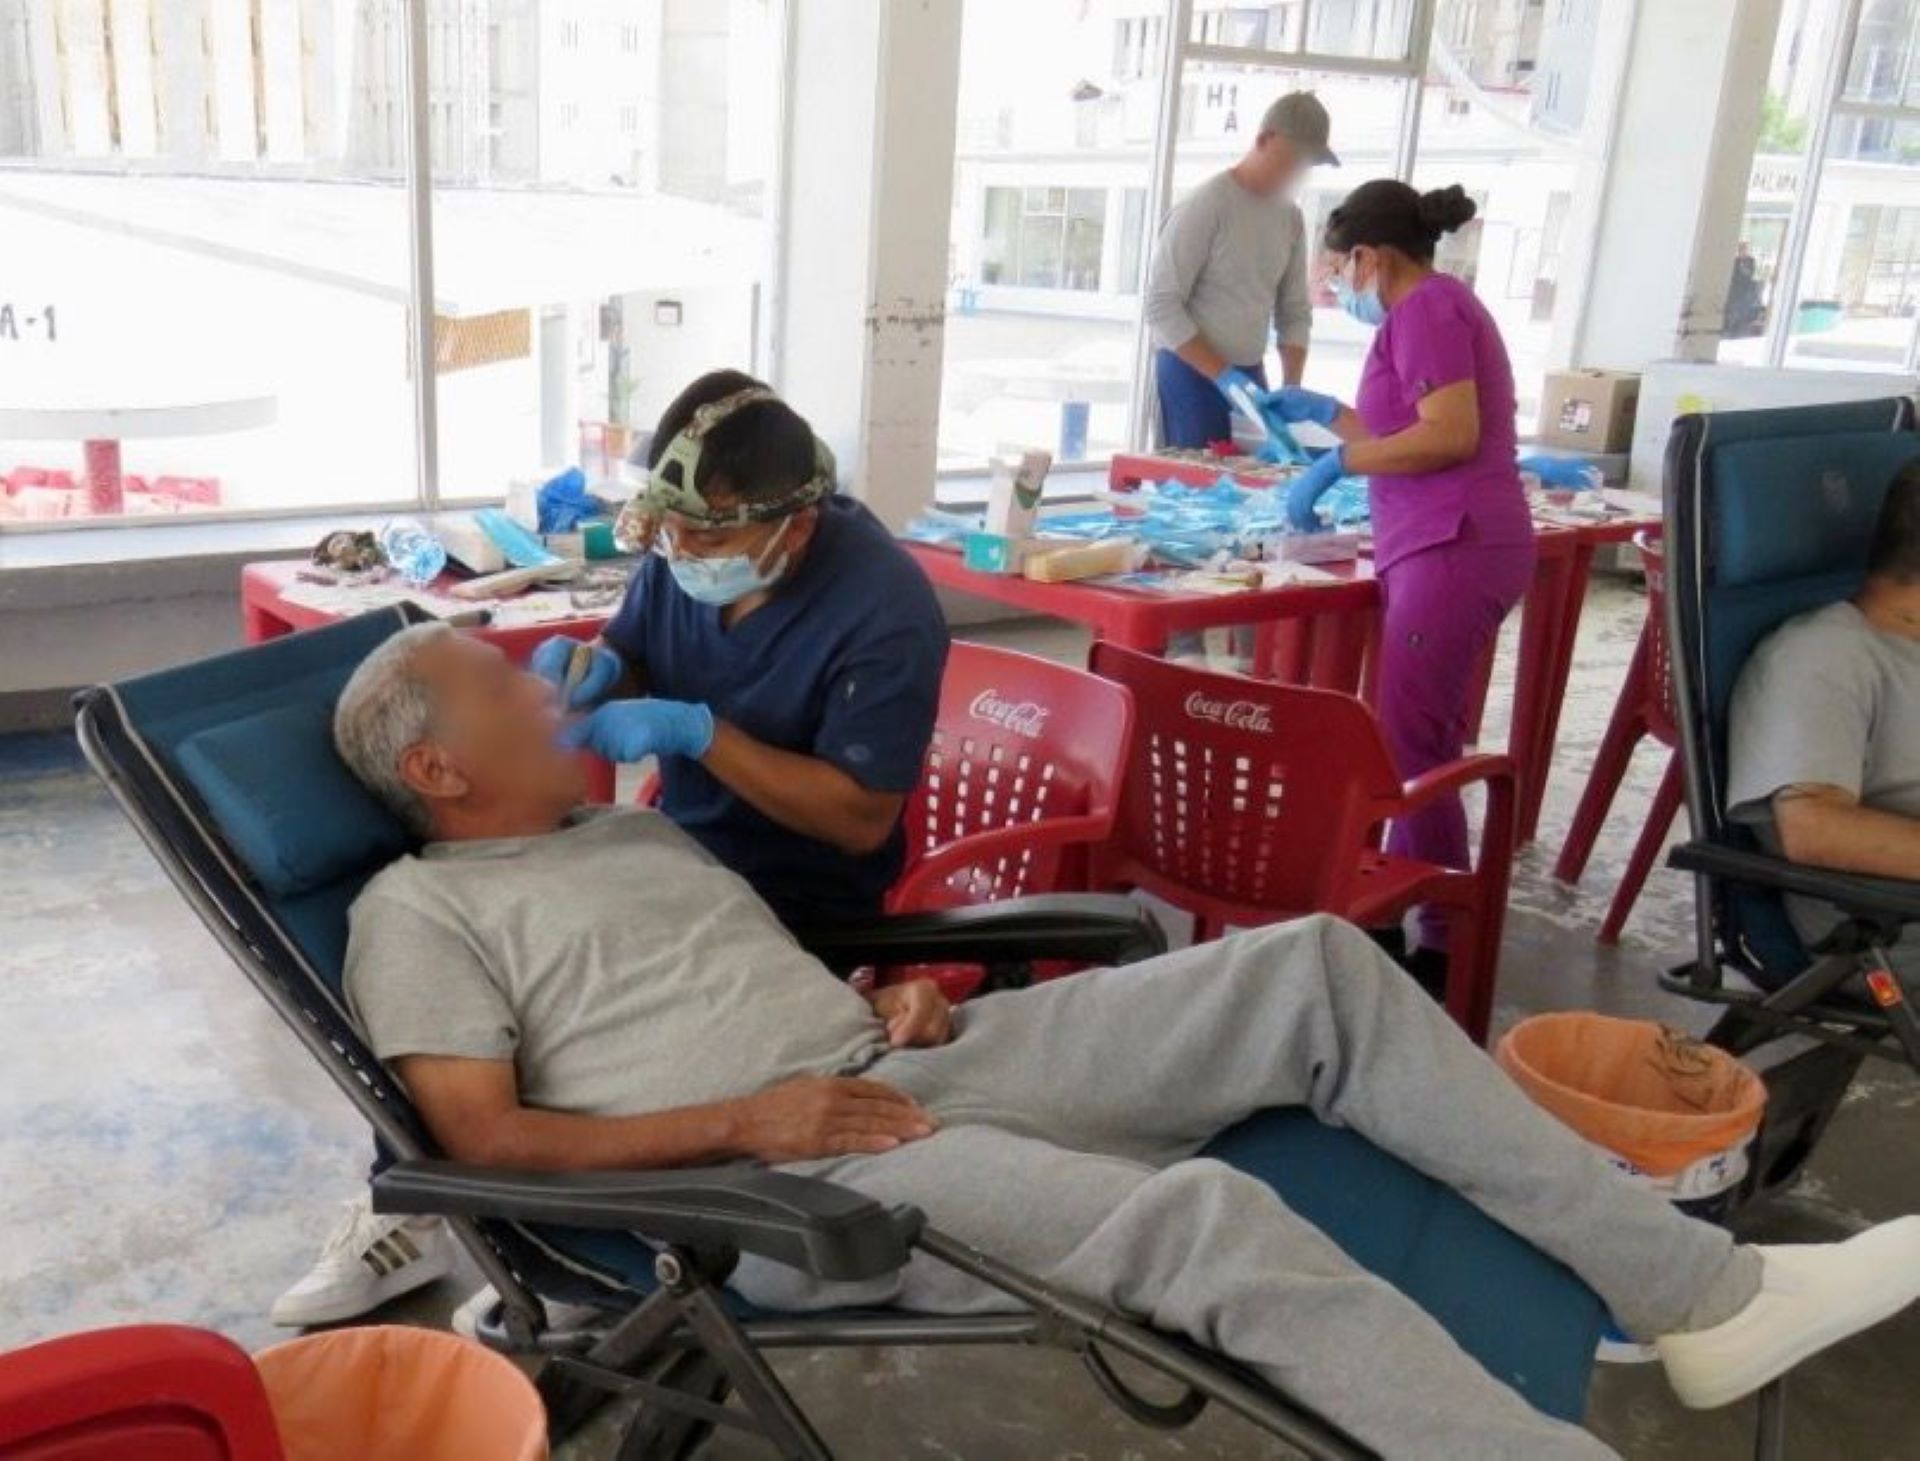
pixel 368 1259
pixel 466 1319
pixel 1811 1296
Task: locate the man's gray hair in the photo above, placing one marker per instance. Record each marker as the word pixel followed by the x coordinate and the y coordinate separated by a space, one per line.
pixel 385 708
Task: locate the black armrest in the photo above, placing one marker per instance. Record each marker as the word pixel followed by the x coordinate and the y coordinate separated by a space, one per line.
pixel 1851 893
pixel 821 1229
pixel 1092 928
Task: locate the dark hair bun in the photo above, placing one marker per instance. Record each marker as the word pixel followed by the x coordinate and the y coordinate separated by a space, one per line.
pixel 1445 209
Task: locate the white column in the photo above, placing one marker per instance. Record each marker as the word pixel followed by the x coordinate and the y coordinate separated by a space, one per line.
pixel 860 317
pixel 1676 191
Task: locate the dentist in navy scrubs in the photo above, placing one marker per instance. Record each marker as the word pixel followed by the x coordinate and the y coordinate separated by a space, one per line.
pixel 777 651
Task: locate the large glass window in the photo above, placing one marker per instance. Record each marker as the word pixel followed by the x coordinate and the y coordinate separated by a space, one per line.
pixel 601 175
pixel 1510 113
pixel 206 299
pixel 203 304
pixel 1060 103
pixel 1055 136
pixel 1827 274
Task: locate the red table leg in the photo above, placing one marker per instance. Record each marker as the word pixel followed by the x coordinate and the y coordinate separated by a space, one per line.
pixel 1340 644
pixel 258 623
pixel 1542 632
pixel 103 479
pixel 1559 670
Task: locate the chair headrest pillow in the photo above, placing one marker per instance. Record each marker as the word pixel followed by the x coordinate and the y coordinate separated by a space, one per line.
pixel 286 803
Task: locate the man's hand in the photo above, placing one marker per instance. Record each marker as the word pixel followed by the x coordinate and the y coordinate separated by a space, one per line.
pixel 827 1116
pixel 916 1013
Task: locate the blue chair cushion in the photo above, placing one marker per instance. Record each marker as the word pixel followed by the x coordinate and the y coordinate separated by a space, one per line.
pixel 1798 505
pixel 285 802
pixel 1525 1317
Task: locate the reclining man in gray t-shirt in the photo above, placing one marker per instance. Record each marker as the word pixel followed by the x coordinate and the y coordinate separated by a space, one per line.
pixel 570 989
pixel 1824 731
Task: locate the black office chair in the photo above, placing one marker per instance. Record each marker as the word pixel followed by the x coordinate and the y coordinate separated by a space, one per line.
pixel 1769 514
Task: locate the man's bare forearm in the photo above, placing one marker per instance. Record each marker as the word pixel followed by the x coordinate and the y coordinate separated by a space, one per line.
pixel 558 1141
pixel 1203 357
pixel 1826 830
pixel 1293 364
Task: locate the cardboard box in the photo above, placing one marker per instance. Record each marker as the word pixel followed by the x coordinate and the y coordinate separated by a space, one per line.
pixel 1589 410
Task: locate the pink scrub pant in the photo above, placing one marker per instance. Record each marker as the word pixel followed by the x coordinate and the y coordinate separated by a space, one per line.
pixel 1441 608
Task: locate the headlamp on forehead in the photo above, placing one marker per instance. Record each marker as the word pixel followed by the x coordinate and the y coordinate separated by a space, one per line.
pixel 672 484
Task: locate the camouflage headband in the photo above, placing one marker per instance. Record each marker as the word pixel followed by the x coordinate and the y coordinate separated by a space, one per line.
pixel 670 485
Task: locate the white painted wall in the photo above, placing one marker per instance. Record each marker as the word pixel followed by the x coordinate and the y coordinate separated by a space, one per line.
pixel 861 312
pixel 819 354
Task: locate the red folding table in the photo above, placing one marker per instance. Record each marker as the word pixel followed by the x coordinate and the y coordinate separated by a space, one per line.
pixel 1320 634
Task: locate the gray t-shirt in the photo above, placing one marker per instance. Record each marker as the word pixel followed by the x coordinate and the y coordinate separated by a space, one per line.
pixel 617 965
pixel 1825 700
pixel 1229 260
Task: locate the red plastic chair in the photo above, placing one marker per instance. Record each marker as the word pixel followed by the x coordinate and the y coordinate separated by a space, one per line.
pixel 1249 803
pixel 1645 708
pixel 1023 775
pixel 159 1391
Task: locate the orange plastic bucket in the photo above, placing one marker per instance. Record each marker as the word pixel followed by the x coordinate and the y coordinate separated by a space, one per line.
pixel 1668 1107
pixel 389 1393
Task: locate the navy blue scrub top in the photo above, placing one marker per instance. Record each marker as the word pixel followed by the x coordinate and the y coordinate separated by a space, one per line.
pixel 843 663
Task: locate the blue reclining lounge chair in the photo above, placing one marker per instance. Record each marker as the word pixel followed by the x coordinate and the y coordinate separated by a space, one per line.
pixel 227 770
pixel 1769 514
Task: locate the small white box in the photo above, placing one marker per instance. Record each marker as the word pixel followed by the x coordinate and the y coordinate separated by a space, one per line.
pixel 1014 497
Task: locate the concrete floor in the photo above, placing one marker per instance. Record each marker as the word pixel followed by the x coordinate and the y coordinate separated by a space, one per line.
pixel 166 1151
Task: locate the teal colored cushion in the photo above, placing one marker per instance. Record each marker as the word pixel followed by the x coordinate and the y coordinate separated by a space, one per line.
pixel 1798 506
pixel 1525 1317
pixel 286 803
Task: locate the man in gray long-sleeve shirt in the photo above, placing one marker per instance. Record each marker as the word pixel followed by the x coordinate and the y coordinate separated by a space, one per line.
pixel 1232 255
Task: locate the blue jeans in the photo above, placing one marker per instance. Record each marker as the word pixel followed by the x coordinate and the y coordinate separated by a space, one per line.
pixel 1193 413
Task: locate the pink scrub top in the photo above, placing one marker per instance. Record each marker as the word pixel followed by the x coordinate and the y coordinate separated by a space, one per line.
pixel 1439 334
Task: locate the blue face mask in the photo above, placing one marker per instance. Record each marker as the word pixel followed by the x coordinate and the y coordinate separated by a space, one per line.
pixel 1363 305
pixel 722 581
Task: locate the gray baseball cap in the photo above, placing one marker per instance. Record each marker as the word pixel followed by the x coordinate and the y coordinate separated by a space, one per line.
pixel 1302 120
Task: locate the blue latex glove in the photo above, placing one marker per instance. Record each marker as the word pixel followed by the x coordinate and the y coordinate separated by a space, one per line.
pixel 1564 472
pixel 1310 486
pixel 1233 376
pixel 632 730
pixel 1296 403
pixel 551 660
pixel 563 503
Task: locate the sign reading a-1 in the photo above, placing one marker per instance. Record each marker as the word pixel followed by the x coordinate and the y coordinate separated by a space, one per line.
pixel 16 324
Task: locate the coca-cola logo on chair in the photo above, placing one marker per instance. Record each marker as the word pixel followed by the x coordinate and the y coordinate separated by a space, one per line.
pixel 1022 717
pixel 1246 715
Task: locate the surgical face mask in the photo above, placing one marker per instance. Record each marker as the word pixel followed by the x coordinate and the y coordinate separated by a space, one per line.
pixel 1363 305
pixel 722 581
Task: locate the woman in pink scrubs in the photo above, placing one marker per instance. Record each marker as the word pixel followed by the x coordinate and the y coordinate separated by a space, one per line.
pixel 1433 430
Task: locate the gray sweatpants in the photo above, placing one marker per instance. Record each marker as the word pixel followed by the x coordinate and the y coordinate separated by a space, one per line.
pixel 1069 1116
